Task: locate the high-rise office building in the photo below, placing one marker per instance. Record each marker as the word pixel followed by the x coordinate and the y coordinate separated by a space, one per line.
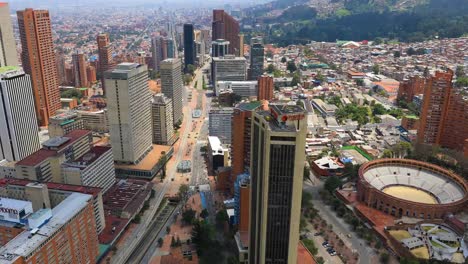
pixel 241 45
pixel 79 68
pixel 219 48
pixel 240 142
pixel 189 46
pixel 91 74
pixel 105 53
pixel 106 61
pixel 172 85
pixel 8 56
pixel 226 27
pixel 158 51
pixel 64 123
pixel 228 68
pixel 18 122
pixel 38 59
pixel 128 102
pixel 163 122
pixel 171 48
pixel 276 167
pixel 444 114
pixel 61 68
pixel 257 57
pixel 411 87
pixel 265 88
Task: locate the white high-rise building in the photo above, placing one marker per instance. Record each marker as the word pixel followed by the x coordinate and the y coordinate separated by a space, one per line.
pixel 19 135
pixel 172 85
pixel 129 112
pixel 157 51
pixel 228 68
pixel 8 56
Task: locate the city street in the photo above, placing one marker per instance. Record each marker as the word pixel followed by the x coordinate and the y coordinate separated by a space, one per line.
pixel 341 228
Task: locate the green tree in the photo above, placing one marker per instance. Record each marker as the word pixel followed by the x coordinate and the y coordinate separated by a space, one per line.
pixel 306 173
pixel 296 79
pixel 221 217
pixel 72 93
pixel 191 69
pixel 283 60
pixel 320 260
pixel 310 245
pixel 163 162
pixel 331 183
pixel 188 215
pixel 173 242
pixel 376 69
pixel 187 79
pixel 397 54
pixel 378 109
pixel 460 71
pixel 269 54
pixel 291 67
pixel 306 201
pixel 462 82
pixel 384 258
pixel 359 82
pixel 204 213
pixel 411 51
pixel 160 242
pixel 183 190
pixel 270 68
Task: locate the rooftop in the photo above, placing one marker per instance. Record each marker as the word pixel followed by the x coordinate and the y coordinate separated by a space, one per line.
pixel 87 159
pixel 149 161
pixel 8 68
pixel 249 106
pixel 13 203
pixel 23 245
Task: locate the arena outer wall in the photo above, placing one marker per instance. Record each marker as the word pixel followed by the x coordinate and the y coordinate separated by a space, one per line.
pixel 379 200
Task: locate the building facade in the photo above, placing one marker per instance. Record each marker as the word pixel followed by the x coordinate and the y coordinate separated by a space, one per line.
pixel 189 46
pixel 241 88
pixel 229 68
pixel 219 124
pixel 8 56
pixel 64 123
pixel 411 87
pixel 128 101
pixel 219 48
pixel 277 167
pixel 444 113
pixel 38 60
pixel 257 57
pixel 163 122
pixel 79 68
pixel 265 88
pixel 95 169
pixel 172 86
pixel 241 137
pixel 18 121
pixel 226 27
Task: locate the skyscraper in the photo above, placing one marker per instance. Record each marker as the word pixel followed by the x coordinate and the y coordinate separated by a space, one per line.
pixel 157 51
pixel 79 67
pixel 163 122
pixel 444 114
pixel 8 56
pixel 106 61
pixel 18 123
pixel 277 167
pixel 265 88
pixel 129 105
pixel 189 46
pixel 257 57
pixel 226 27
pixel 228 68
pixel 240 142
pixel 38 59
pixel 172 85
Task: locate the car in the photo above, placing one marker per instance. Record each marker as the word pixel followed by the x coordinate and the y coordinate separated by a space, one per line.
pixel 317 234
pixel 333 253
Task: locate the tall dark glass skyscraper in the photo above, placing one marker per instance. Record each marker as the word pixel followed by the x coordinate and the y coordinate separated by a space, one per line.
pixel 257 58
pixel 189 46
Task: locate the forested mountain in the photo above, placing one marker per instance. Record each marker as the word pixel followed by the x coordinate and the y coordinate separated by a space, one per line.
pixel 410 20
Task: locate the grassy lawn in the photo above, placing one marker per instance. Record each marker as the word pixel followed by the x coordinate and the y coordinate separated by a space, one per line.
pixel 421 252
pixel 400 234
pixel 435 244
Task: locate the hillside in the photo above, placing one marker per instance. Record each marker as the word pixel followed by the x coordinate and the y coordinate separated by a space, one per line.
pixel 328 20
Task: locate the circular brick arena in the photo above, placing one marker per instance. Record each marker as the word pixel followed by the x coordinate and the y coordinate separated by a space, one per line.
pixel 403 187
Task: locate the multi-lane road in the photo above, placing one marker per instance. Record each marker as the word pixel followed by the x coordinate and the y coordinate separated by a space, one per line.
pixel 124 251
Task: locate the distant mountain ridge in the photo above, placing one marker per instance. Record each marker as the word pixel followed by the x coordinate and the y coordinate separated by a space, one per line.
pixel 290 22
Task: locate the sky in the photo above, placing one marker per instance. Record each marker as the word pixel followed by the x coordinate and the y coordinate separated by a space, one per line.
pixel 51 4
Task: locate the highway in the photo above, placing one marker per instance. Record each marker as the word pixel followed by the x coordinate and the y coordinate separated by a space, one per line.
pixel 123 252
